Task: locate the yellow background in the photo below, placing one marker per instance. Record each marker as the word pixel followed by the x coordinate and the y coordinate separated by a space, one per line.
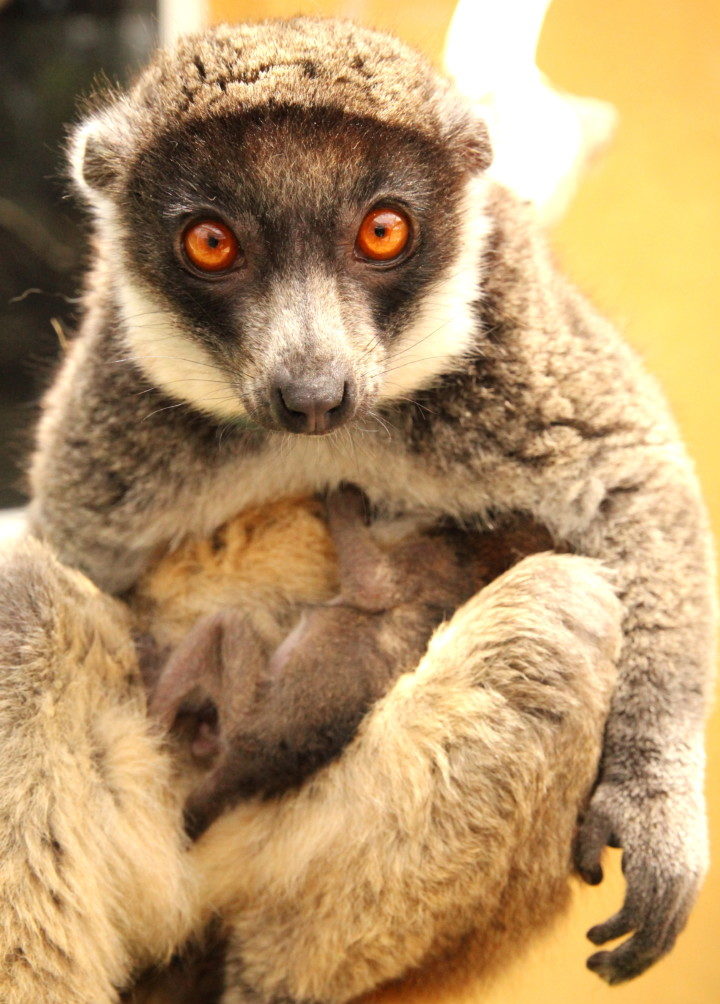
pixel 643 240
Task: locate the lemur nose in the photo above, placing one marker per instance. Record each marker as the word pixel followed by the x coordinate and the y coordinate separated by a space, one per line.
pixel 315 405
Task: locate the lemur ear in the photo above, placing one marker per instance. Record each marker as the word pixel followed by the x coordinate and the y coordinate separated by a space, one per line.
pixel 466 133
pixel 474 142
pixel 98 150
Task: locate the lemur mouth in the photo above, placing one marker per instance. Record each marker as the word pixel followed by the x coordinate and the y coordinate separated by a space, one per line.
pixel 314 406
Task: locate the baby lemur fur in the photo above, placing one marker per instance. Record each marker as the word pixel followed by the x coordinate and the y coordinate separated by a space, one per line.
pixel 282 714
pixel 462 378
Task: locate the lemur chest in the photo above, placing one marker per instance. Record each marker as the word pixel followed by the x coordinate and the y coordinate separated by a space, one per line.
pixel 392 474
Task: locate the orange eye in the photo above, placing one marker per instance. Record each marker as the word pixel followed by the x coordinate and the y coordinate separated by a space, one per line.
pixel 384 234
pixel 210 246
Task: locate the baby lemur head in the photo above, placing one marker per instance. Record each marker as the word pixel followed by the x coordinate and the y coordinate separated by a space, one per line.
pixel 290 215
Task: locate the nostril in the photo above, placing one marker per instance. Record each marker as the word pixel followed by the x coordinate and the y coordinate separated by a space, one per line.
pixel 341 403
pixel 287 406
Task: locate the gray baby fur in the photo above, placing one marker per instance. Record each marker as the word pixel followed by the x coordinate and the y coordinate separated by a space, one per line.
pixel 541 409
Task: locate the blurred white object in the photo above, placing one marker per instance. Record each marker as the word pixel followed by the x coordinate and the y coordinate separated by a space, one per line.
pixel 12 524
pixel 543 138
pixel 180 17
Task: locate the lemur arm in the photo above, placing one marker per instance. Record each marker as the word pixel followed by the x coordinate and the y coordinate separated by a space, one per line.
pixel 650 800
pixel 575 432
pixel 431 824
pixel 94 878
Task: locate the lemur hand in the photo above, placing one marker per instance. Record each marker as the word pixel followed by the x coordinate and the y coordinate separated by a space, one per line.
pixel 663 835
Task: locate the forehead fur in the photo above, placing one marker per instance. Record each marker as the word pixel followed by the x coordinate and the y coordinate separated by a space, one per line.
pixel 311 62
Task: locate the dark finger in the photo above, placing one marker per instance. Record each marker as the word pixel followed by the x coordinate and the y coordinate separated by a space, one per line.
pixel 195 821
pixel 202 807
pixel 628 960
pixel 652 940
pixel 591 840
pixel 623 922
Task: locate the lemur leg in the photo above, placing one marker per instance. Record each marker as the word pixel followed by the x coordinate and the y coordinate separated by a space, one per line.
pixel 222 657
pixel 367 579
pixel 93 871
pixel 452 811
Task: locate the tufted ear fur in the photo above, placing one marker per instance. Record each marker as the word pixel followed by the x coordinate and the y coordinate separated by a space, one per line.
pixel 474 142
pixel 99 148
pixel 466 132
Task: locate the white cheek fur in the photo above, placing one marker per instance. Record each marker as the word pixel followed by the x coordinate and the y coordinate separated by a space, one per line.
pixel 172 359
pixel 445 327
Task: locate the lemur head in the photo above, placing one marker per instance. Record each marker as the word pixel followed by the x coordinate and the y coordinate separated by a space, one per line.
pixel 291 214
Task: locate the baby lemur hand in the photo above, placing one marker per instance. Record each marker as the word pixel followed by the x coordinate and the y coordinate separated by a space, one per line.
pixel 283 714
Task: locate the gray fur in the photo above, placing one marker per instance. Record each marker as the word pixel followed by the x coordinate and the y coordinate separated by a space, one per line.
pixel 544 410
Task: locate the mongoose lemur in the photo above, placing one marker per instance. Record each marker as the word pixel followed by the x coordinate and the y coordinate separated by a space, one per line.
pixel 284 711
pixel 301 276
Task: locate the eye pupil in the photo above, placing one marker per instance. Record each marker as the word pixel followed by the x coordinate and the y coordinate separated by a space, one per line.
pixel 383 235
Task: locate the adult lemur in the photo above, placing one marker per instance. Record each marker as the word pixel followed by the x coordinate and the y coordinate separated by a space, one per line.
pixel 295 237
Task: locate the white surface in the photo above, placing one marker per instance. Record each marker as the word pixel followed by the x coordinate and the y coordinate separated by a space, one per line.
pixel 12 524
pixel 180 17
pixel 542 138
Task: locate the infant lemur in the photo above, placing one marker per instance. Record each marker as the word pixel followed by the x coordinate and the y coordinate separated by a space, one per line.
pixel 301 277
pixel 284 711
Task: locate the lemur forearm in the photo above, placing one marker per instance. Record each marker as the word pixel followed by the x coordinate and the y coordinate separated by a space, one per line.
pixel 525 665
pixel 655 537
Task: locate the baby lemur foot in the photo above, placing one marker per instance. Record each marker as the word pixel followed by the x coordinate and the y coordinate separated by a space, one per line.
pixel 211 678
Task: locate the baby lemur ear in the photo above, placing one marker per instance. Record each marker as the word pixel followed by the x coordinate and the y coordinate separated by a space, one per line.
pixel 99 149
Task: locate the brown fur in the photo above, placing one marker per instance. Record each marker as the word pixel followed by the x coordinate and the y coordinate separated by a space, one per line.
pixel 484 385
pixel 283 714
pixel 306 913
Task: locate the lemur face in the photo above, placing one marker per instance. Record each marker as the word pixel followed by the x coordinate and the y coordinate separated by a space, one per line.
pixel 294 266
